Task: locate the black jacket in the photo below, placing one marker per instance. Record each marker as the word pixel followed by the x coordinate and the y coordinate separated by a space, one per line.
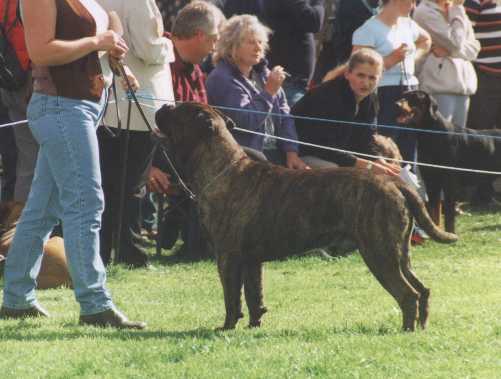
pixel 334 100
pixel 294 23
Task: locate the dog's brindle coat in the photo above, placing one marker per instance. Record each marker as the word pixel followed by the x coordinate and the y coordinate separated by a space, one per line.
pixel 255 211
pixel 466 148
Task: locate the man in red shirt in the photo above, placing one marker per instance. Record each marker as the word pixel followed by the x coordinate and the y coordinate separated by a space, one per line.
pixel 194 35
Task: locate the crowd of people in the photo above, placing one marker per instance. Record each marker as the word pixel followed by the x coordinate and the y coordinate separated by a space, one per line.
pixel 254 59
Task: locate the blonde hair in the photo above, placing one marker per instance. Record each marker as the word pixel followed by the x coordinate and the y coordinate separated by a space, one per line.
pixel 364 55
pixel 234 32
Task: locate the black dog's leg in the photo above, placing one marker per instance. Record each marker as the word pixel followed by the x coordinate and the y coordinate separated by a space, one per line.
pixel 230 273
pixel 434 191
pixel 450 206
pixel 253 287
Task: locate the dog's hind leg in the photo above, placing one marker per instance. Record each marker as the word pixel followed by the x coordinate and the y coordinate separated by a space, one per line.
pixel 424 292
pixel 386 269
pixel 253 287
pixel 230 273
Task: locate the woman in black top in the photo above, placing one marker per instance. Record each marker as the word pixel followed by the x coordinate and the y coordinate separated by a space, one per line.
pixel 348 98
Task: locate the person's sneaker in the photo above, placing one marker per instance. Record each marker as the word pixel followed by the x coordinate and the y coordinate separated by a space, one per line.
pixel 417 239
pixel 34 311
pixel 111 318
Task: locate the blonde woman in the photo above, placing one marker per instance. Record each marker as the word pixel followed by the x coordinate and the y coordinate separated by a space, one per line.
pixel 242 81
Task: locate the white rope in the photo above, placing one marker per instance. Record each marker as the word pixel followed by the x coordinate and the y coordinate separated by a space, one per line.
pixel 460 169
pixel 370 155
pixel 14 123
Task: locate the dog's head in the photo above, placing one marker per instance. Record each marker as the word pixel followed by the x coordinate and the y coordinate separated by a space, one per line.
pixel 385 147
pixel 416 106
pixel 189 125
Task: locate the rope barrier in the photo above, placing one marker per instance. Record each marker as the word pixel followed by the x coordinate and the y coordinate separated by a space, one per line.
pixel 333 121
pixel 460 169
pixel 370 155
pixel 14 123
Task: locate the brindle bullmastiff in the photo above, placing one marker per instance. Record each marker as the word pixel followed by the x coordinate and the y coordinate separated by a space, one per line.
pixel 255 211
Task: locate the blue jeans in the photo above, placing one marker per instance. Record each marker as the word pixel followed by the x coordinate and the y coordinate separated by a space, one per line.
pixel 453 107
pixel 66 186
pixel 388 113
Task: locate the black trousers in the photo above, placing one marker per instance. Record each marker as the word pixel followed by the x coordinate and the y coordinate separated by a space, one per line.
pixel 8 151
pixel 485 113
pixel 140 148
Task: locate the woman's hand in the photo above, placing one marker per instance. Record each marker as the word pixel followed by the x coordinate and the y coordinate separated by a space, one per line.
pixel 158 181
pixel 112 43
pixel 275 79
pixel 396 56
pixel 134 83
pixel 293 161
pixel 439 52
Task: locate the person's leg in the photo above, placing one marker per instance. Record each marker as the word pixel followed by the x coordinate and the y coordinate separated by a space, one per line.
pixel 485 106
pixel 37 220
pixel 27 151
pixel 454 108
pixel 485 113
pixel 138 164
pixel 9 158
pixel 73 157
pixel 446 105
pixel 109 153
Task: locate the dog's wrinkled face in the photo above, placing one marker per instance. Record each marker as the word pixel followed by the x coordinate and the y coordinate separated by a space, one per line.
pixel 414 106
pixel 188 125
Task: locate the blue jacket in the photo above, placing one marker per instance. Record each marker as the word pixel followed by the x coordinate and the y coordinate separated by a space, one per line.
pixel 227 87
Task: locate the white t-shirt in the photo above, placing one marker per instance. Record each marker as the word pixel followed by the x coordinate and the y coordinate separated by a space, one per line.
pixel 384 39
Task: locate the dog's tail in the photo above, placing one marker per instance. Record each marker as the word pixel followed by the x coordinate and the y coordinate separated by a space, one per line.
pixel 418 210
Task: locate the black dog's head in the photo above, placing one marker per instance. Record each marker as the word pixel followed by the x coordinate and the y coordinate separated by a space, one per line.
pixel 188 125
pixel 415 107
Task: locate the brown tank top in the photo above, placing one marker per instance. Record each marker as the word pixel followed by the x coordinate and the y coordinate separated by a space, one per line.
pixel 80 79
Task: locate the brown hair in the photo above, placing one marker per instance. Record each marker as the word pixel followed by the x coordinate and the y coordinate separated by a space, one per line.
pixel 358 57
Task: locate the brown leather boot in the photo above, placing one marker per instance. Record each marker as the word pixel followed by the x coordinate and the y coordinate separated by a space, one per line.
pixel 111 318
pixel 34 311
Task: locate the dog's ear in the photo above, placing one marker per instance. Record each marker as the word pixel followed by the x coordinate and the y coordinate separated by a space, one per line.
pixel 162 114
pixel 230 124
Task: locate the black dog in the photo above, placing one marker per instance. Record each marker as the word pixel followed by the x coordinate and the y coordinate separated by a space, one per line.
pixel 464 148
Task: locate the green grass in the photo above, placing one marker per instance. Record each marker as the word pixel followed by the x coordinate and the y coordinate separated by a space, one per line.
pixel 325 319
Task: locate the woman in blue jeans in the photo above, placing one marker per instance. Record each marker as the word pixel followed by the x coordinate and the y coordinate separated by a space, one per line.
pixel 65 39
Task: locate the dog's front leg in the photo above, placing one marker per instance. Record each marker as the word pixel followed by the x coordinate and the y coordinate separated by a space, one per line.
pixel 253 288
pixel 450 206
pixel 230 273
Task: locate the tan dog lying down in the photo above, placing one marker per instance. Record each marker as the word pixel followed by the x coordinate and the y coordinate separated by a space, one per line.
pixel 54 270
pixel 255 211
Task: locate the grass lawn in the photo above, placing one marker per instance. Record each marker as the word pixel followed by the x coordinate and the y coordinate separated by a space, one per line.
pixel 326 319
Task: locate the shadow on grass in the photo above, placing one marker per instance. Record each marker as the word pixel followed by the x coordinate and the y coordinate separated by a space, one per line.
pixel 484 228
pixel 30 331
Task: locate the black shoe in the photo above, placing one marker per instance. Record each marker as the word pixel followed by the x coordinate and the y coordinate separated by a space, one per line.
pixel 34 311
pixel 111 318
